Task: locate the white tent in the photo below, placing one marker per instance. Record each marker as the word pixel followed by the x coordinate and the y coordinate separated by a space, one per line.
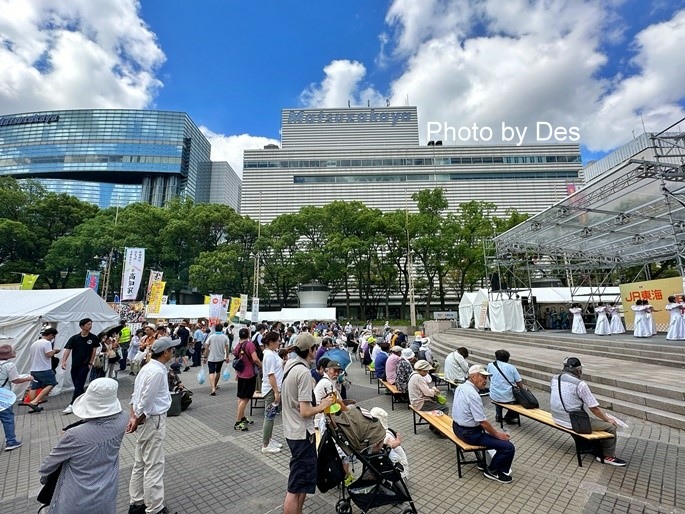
pixel 506 316
pixel 179 312
pixel 466 309
pixel 23 313
pixel 480 311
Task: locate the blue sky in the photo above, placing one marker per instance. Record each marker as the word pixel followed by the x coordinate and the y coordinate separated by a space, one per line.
pixel 605 66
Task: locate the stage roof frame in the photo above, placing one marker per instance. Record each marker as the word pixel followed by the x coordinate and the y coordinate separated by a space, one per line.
pixel 632 214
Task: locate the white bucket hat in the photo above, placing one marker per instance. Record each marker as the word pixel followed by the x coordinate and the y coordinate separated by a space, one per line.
pixel 381 415
pixel 99 400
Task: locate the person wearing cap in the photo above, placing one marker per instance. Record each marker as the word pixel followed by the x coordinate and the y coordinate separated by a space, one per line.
pixel 576 393
pixel 380 360
pixel 405 367
pixel 470 424
pixel 88 452
pixel 370 345
pixel 298 423
pixel 503 375
pixel 393 440
pixel 423 395
pixel 8 376
pixel 149 404
pixel 391 364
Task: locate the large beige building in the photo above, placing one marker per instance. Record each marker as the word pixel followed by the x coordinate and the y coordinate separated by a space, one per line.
pixel 373 155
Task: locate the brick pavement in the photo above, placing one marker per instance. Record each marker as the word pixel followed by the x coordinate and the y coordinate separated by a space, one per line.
pixel 213 469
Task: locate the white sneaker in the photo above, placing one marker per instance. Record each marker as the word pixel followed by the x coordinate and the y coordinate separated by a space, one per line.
pixel 270 449
pixel 275 444
pixel 68 410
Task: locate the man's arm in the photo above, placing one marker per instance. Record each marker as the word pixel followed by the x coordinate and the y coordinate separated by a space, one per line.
pixel 307 410
pixel 65 357
pixel 274 387
pixel 600 414
pixel 487 426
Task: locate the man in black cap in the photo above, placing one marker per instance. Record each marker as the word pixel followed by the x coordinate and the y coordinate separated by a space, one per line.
pixel 576 393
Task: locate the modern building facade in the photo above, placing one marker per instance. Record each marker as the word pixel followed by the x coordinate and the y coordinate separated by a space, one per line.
pixel 110 157
pixel 373 155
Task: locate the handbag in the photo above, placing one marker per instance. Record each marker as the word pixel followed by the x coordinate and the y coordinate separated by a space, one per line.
pixel 523 396
pixel 238 363
pixel 580 420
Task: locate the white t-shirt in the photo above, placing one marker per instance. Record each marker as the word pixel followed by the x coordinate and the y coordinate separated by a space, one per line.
pixel 41 362
pixel 271 365
pixel 8 372
pixel 218 344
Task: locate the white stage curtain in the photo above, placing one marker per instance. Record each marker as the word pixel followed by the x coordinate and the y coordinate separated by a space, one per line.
pixel 506 316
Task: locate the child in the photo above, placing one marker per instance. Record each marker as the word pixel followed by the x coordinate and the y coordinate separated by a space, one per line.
pixel 393 440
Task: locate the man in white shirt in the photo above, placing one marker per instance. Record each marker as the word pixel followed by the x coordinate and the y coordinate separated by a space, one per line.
pixel 215 354
pixel 150 402
pixel 8 376
pixel 272 371
pixel 41 369
pixel 456 366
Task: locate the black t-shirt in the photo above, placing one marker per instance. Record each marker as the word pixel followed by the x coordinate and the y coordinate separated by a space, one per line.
pixel 183 334
pixel 81 348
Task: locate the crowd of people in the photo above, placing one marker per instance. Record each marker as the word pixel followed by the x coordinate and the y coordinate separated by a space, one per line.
pixel 300 376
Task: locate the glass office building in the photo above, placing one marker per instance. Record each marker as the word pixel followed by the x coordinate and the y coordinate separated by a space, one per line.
pixel 109 157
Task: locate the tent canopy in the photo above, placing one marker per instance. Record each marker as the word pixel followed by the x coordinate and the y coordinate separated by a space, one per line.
pixel 197 311
pixel 24 312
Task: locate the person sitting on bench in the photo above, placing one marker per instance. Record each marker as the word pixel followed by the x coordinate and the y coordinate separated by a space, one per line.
pixel 470 424
pixel 576 393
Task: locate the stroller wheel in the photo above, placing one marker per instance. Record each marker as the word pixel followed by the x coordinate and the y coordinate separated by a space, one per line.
pixel 343 507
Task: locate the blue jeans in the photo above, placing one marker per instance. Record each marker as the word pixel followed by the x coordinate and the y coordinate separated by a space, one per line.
pixel 476 436
pixel 7 418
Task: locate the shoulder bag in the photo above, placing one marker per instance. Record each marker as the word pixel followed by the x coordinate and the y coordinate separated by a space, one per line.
pixel 580 420
pixel 522 395
pixel 238 363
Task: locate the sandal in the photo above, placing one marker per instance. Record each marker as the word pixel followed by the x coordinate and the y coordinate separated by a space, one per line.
pixel 34 408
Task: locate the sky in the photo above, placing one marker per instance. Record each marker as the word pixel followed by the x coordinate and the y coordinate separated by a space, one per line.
pixel 610 68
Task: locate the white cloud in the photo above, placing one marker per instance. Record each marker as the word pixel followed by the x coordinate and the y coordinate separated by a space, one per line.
pixel 520 62
pixel 341 85
pixel 230 148
pixel 76 54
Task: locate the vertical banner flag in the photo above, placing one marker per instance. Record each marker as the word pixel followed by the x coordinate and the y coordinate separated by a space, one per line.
pixel 165 299
pixel 243 306
pixel 215 307
pixel 133 273
pixel 233 309
pixel 28 281
pixel 156 293
pixel 92 280
pixel 155 276
pixel 255 310
pixel 207 299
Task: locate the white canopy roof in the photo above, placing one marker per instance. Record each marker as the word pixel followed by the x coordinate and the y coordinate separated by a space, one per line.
pixel 286 315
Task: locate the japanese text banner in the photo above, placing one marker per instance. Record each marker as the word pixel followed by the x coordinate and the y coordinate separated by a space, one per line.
pixel 133 273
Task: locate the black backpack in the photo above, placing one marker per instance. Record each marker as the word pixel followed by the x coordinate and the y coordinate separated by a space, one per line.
pixel 329 468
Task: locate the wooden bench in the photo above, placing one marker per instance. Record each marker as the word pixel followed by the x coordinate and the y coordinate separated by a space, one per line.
pixel 371 372
pixel 585 443
pixel 395 395
pixel 257 401
pixel 444 425
pixel 451 384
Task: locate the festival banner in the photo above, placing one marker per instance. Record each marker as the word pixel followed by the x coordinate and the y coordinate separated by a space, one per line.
pixel 233 309
pixel 243 306
pixel 165 299
pixel 207 299
pixel 28 281
pixel 654 291
pixel 156 293
pixel 155 276
pixel 92 280
pixel 133 273
pixel 255 310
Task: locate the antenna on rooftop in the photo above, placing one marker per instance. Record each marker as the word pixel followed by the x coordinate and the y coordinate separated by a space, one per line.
pixel 406 101
pixel 368 103
pixel 643 123
pixel 348 103
pixel 387 102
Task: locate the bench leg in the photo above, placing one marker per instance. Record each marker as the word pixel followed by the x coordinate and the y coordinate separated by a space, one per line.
pixel 414 413
pixel 251 405
pixel 459 457
pixel 392 401
pixel 583 447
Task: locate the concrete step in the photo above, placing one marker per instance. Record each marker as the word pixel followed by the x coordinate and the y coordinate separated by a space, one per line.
pixel 664 404
pixel 636 354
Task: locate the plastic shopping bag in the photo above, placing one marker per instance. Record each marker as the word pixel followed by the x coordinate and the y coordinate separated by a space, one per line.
pixel 226 374
pixel 201 376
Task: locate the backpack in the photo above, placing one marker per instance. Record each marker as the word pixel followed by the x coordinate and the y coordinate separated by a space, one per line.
pixel 258 347
pixel 421 355
pixel 329 469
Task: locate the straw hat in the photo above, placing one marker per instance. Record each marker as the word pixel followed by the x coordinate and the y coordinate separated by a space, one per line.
pixel 99 400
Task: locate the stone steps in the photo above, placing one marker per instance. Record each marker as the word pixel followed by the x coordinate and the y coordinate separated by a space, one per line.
pixel 672 356
pixel 653 401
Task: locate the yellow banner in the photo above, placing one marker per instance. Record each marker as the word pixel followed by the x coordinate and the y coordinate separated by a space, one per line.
pixel 207 298
pixel 234 307
pixel 156 293
pixel 654 291
pixel 28 281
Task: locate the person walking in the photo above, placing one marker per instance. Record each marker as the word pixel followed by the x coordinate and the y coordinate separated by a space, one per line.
pixel 216 353
pixel 8 376
pixel 88 453
pixel 82 348
pixel 149 404
pixel 298 423
pixel 42 352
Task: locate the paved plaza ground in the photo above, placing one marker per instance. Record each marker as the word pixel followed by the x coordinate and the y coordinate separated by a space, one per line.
pixel 210 468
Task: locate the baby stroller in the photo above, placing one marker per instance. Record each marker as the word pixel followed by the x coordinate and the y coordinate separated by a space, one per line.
pixel 360 435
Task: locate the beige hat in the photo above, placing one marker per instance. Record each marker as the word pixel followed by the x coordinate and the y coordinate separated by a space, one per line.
pixel 6 352
pixel 407 354
pixel 381 415
pixel 396 349
pixel 422 365
pixel 479 369
pixel 305 341
pixel 99 400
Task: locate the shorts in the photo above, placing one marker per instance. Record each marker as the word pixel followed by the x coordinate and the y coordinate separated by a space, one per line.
pixel 246 387
pixel 180 351
pixel 43 379
pixel 215 367
pixel 302 477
